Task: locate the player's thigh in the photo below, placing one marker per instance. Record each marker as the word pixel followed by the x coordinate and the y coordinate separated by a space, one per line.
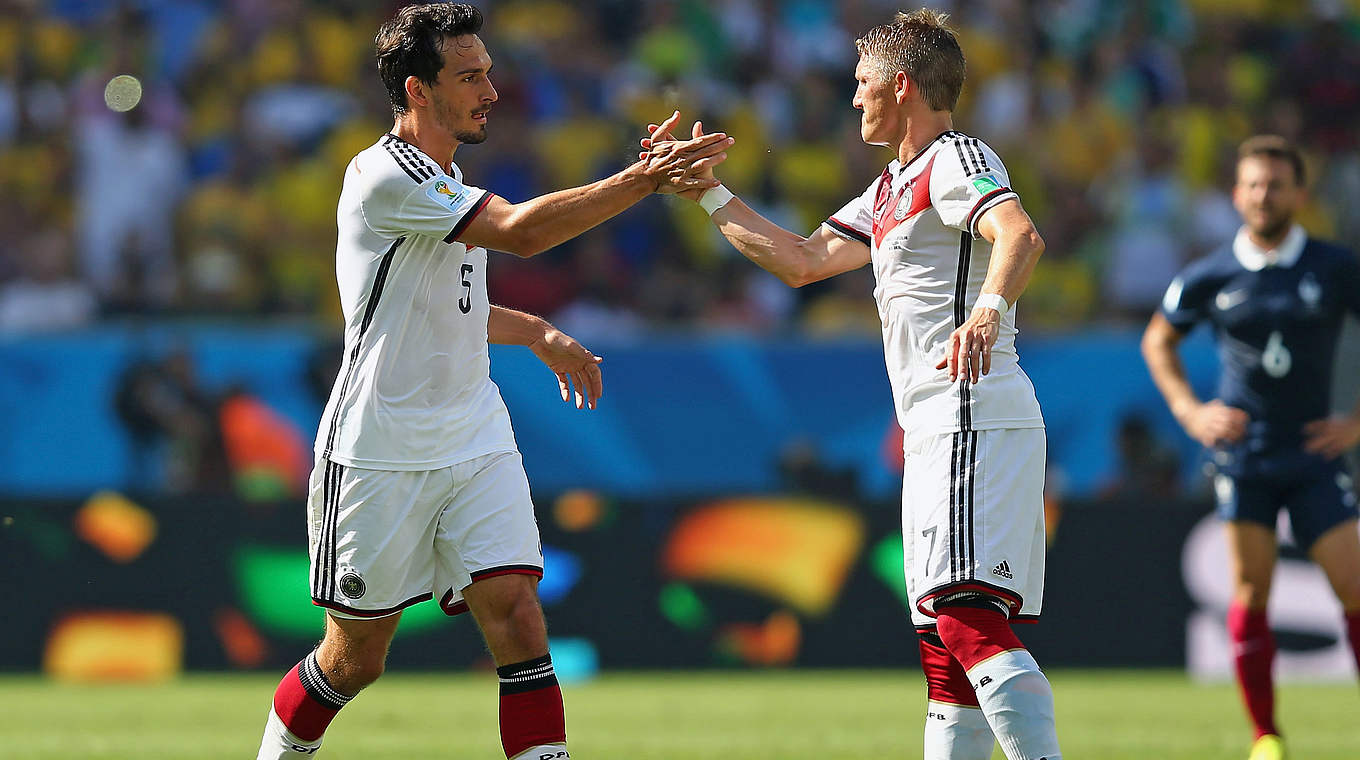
pixel 357 639
pixel 488 528
pixel 1337 552
pixel 973 515
pixel 1251 560
pixel 372 538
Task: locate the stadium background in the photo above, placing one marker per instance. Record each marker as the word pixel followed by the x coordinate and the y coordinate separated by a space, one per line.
pixel 168 322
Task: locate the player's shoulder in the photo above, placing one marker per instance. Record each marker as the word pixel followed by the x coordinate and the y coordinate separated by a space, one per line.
pixel 1331 252
pixel 392 166
pixel 1217 264
pixel 971 150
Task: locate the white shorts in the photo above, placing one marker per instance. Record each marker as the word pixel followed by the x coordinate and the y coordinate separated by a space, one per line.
pixel 383 540
pixel 973 520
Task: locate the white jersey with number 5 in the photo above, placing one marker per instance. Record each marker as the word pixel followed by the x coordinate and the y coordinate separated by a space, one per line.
pixel 414 390
pixel 920 221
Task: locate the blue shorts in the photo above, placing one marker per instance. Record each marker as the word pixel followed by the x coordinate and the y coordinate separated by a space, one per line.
pixel 1318 494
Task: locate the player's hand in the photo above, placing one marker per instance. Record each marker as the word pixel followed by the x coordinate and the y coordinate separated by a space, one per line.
pixel 656 134
pixel 577 369
pixel 678 165
pixel 1215 422
pixel 969 353
pixel 1333 436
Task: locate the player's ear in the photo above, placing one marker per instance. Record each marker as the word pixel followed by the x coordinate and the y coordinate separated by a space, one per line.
pixel 901 87
pixel 415 92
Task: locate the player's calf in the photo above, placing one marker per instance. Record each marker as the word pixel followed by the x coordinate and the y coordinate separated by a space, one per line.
pixel 1011 690
pixel 533 722
pixel 304 705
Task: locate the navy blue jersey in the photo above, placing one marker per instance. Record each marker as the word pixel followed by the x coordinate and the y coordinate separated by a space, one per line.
pixel 1277 328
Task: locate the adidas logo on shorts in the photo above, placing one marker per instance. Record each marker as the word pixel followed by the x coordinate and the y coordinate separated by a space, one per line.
pixel 1004 570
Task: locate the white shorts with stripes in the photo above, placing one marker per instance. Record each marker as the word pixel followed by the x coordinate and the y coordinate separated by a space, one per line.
pixel 973 520
pixel 383 540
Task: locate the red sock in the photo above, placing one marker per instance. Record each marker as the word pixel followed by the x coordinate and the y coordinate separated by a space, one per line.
pixel 531 706
pixel 945 680
pixel 1254 651
pixel 306 702
pixel 1353 633
pixel 973 634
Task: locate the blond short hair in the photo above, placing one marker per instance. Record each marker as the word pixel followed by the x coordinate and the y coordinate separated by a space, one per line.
pixel 922 45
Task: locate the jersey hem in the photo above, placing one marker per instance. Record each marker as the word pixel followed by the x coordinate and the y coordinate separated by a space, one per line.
pixel 433 464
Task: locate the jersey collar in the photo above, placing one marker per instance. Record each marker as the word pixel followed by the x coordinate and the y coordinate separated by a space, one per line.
pixel 1256 258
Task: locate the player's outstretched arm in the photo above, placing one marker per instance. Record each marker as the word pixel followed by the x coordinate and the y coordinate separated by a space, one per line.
pixel 1209 423
pixel 529 228
pixel 1016 247
pixel 573 364
pixel 795 259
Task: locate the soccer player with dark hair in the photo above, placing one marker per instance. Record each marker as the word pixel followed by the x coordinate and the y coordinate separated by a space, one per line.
pixel 419 491
pixel 1276 298
pixel 951 250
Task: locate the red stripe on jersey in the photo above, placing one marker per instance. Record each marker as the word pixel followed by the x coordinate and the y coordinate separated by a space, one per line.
pixel 888 208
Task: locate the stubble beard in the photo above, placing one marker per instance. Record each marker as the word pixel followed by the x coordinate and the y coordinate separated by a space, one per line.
pixel 1273 227
pixel 473 136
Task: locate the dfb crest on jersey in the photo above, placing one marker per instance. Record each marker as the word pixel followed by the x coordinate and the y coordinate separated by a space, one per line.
pixel 1310 291
pixel 351 585
pixel 903 204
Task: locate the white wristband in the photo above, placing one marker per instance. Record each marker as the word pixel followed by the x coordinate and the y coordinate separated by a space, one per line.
pixel 992 301
pixel 715 198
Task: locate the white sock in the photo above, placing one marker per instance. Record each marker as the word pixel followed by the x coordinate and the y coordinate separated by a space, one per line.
pixel 1018 702
pixel 544 752
pixel 957 732
pixel 280 744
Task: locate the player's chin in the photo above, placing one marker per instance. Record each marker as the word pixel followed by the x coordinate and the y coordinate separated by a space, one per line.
pixel 472 136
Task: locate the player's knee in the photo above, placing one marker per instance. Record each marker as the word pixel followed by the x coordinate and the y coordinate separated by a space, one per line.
pixel 1252 594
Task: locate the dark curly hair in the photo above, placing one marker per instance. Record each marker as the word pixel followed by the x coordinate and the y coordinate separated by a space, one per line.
pixel 411 44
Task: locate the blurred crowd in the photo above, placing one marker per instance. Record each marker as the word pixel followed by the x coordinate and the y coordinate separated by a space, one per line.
pixel 215 195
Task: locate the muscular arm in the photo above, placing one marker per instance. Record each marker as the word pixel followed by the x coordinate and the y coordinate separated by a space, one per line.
pixel 569 360
pixel 529 228
pixel 792 258
pixel 1209 423
pixel 1016 247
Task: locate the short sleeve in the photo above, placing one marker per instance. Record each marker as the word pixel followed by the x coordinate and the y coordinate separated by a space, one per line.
pixel 1187 298
pixel 438 206
pixel 966 179
pixel 855 220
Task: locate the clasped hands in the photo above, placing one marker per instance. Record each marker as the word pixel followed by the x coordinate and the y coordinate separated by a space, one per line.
pixel 684 167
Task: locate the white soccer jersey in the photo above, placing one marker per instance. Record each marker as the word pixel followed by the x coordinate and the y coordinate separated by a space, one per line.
pixel 414 390
pixel 920 221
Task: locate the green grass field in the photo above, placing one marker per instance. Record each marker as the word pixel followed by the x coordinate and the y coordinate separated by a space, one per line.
pixel 1103 715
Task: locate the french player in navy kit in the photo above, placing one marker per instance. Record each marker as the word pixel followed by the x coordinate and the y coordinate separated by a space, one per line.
pixel 1276 299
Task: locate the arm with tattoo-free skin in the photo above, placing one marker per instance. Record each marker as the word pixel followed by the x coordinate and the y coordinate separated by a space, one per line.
pixel 1210 423
pixel 573 364
pixel 1016 247
pixel 529 228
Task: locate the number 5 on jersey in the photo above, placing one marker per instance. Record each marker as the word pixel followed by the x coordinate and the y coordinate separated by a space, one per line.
pixel 465 302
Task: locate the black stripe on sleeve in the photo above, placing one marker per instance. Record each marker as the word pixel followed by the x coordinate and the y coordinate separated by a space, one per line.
pixel 419 164
pixel 965 159
pixel 472 213
pixel 401 162
pixel 982 205
pixel 842 228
